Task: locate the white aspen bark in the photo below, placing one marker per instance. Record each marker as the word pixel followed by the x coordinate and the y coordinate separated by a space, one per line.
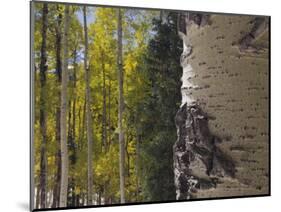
pixel 88 114
pixel 120 110
pixel 223 118
pixel 37 197
pixel 63 115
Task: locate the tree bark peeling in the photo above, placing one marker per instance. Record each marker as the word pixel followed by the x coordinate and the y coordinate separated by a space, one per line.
pixel 198 162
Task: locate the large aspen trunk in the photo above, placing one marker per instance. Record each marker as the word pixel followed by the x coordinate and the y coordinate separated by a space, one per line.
pixel 88 114
pixel 120 110
pixel 43 120
pixel 63 115
pixel 56 194
pixel 222 124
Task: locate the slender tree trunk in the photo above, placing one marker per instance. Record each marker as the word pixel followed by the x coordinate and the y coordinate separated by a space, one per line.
pixel 56 194
pixel 71 134
pixel 99 197
pixel 57 182
pixel 109 117
pixel 82 198
pixel 35 72
pixel 120 111
pixel 64 152
pixel 43 126
pixel 70 153
pixel 79 128
pixel 74 134
pixel 77 198
pixel 82 126
pixel 127 155
pixel 49 197
pixel 88 114
pixel 37 198
pixel 104 131
pixel 137 164
pixel 104 125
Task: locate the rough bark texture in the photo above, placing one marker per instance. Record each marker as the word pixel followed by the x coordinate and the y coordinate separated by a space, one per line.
pixel 120 111
pixel 63 114
pixel 88 115
pixel 198 162
pixel 43 120
pixel 225 75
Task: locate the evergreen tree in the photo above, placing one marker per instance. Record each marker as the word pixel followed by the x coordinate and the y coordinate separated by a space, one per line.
pixel 158 109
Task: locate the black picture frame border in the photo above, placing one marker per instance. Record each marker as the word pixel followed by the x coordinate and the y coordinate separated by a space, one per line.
pixel 31 108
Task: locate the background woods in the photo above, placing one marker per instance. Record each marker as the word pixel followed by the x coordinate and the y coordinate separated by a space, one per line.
pixel 99 82
pixel 148 105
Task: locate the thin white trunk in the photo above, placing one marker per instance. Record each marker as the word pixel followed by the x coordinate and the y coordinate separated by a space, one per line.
pixel 64 152
pixel 120 111
pixel 88 114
